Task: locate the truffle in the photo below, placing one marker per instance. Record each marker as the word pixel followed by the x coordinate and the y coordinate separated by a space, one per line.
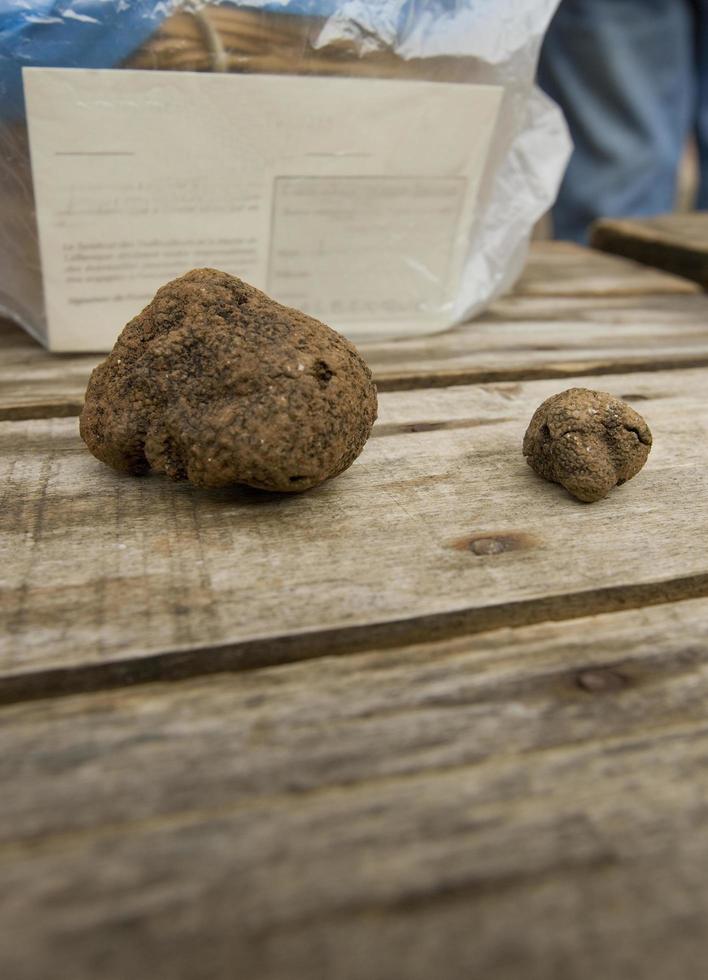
pixel 216 383
pixel 588 441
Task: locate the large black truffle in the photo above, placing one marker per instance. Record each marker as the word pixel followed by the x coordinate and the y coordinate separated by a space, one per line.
pixel 216 383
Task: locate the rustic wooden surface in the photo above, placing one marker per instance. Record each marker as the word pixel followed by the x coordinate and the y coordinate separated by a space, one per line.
pixel 530 803
pixel 676 243
pixel 36 385
pixel 122 577
pixel 573 311
pixel 435 718
pixel 566 269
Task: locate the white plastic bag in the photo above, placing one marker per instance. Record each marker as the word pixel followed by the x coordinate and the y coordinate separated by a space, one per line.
pixel 476 42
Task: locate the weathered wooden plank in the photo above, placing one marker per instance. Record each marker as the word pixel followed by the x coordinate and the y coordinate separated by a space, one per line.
pixel 36 384
pixel 521 337
pixel 525 803
pixel 525 337
pixel 111 579
pixel 567 269
pixel 676 243
pixel 430 707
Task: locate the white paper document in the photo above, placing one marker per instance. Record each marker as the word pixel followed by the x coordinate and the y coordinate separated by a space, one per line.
pixel 350 199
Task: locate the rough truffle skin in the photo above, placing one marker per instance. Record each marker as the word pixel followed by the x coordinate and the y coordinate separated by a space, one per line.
pixel 588 441
pixel 216 383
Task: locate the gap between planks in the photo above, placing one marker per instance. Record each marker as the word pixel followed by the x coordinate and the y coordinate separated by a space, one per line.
pixel 390 381
pixel 249 655
pixel 41 410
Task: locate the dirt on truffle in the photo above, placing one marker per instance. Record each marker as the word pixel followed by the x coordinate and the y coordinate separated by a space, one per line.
pixel 216 383
pixel 588 441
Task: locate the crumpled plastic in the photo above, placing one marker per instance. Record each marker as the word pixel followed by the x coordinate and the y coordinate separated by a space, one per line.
pixel 497 41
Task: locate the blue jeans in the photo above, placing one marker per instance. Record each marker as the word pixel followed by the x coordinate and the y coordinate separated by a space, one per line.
pixel 632 79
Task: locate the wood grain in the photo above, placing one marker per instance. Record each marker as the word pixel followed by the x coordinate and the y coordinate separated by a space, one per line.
pixel 529 802
pixel 36 384
pixel 676 243
pixel 502 785
pixel 439 528
pixel 524 336
pixel 567 269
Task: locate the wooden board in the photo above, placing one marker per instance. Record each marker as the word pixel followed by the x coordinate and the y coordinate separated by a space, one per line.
pixel 36 384
pixel 567 269
pixel 520 337
pixel 521 793
pixel 440 527
pixel 527 803
pixel 526 337
pixel 675 243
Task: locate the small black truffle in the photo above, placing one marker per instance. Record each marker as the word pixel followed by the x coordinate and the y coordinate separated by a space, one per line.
pixel 588 441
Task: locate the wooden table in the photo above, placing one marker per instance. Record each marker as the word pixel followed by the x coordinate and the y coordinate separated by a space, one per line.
pixel 676 243
pixel 433 719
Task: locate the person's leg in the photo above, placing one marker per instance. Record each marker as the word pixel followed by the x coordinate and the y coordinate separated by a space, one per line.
pixel 701 124
pixel 623 73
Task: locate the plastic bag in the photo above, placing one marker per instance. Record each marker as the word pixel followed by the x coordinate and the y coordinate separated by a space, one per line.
pixel 482 42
